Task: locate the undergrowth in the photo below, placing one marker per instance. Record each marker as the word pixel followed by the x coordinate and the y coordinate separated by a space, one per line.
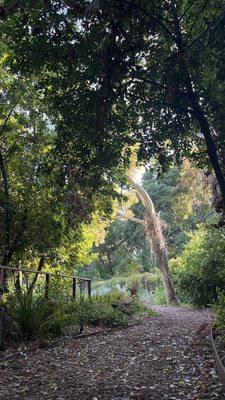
pixel 31 317
pixel 147 286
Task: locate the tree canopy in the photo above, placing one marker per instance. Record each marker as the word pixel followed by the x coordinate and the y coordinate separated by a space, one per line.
pixel 114 73
pixel 85 84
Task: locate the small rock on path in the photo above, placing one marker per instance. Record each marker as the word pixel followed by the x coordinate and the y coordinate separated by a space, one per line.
pixel 163 358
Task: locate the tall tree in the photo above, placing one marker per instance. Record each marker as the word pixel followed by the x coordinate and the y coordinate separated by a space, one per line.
pixel 154 233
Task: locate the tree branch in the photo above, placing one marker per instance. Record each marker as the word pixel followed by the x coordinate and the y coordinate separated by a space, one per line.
pixel 6 208
pixel 149 81
pixel 40 266
pixel 197 16
pixel 154 18
pixel 4 176
pixel 187 9
pixel 133 219
pixel 6 120
pixel 19 234
pixel 142 194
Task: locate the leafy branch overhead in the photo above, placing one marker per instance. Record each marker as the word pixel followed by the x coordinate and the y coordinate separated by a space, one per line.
pixel 144 83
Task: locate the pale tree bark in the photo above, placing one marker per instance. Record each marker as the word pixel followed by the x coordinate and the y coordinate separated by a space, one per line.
pixel 154 234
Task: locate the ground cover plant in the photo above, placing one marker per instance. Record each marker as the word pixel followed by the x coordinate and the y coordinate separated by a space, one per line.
pixel 31 317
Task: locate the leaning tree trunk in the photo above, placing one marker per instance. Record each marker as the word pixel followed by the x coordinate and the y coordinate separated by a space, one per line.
pixel 159 248
pixel 155 237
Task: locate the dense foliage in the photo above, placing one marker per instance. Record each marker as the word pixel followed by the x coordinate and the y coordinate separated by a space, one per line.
pixel 34 317
pixel 42 206
pixel 200 270
pixel 144 84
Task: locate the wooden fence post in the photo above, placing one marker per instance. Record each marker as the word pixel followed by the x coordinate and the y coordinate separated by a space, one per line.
pixel 1 275
pixel 3 320
pixel 89 288
pixel 1 281
pixel 74 288
pixel 47 281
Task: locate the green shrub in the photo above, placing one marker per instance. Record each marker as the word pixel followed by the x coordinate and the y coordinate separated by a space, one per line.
pixel 200 269
pixel 26 315
pixel 99 311
pixel 31 317
pixel 59 318
pixel 159 296
pixel 149 285
pixel 109 298
pixel 139 308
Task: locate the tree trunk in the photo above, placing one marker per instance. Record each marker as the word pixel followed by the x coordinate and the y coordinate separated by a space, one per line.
pixel 198 112
pixel 211 147
pixel 161 259
pixel 155 237
pixel 5 184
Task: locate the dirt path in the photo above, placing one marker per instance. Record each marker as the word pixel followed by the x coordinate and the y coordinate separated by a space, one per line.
pixel 163 358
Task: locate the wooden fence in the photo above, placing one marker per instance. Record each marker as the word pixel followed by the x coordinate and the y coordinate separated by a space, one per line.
pixel 74 279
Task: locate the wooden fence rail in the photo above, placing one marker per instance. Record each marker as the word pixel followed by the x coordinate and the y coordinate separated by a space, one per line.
pixel 48 275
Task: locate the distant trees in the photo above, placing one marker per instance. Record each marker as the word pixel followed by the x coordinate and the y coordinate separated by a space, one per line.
pixel 183 196
pixel 123 251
